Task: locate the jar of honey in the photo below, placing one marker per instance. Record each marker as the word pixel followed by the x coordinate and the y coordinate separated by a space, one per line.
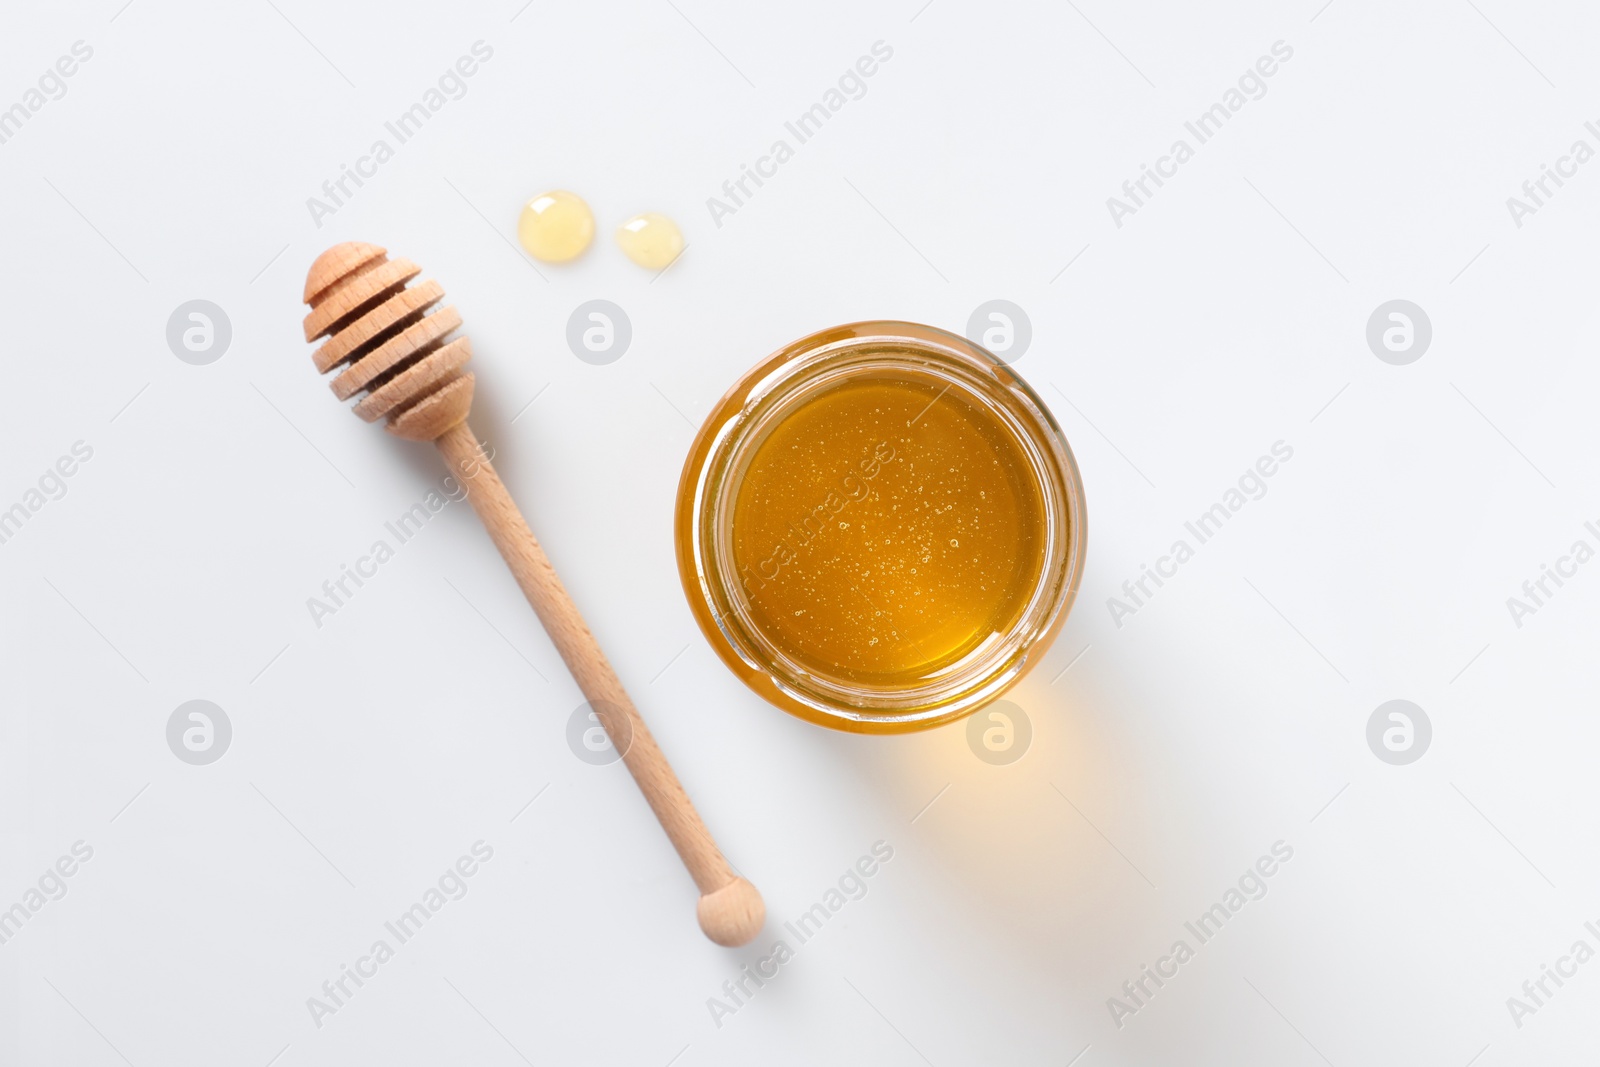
pixel 880 528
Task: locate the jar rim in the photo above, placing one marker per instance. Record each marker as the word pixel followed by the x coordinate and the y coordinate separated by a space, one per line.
pixel 780 385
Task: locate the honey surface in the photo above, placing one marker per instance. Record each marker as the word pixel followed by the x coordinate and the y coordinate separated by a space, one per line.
pixel 886 529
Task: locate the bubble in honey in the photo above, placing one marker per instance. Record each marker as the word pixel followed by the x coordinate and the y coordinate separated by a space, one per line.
pixel 556 226
pixel 650 240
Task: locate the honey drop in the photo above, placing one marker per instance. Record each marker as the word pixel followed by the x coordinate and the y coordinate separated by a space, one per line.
pixel 556 226
pixel 650 240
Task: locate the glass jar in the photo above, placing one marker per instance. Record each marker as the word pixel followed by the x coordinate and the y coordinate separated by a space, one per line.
pixel 880 528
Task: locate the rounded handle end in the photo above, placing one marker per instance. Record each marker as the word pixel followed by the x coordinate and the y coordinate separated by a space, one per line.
pixel 734 914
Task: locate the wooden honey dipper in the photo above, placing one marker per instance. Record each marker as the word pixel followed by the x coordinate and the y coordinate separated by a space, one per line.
pixel 396 350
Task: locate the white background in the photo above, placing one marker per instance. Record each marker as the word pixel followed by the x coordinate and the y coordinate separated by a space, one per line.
pixel 1227 314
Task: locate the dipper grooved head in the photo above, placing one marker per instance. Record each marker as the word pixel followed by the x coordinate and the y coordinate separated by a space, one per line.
pixel 388 341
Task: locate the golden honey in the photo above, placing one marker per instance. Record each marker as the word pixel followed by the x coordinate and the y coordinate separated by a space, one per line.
pixel 880 527
pixel 556 226
pixel 884 531
pixel 653 241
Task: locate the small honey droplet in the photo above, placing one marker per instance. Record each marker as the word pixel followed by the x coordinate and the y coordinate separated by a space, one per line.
pixel 650 240
pixel 556 226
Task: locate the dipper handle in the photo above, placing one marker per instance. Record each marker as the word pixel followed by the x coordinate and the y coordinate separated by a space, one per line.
pixel 731 911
